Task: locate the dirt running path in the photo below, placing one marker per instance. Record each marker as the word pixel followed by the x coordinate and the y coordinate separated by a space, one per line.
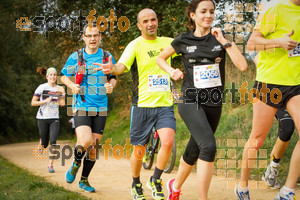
pixel 112 178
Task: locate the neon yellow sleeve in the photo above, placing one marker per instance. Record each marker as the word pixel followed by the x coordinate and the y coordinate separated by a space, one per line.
pixel 128 56
pixel 267 23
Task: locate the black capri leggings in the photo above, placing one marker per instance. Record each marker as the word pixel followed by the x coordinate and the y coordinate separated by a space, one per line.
pixel 48 128
pixel 286 125
pixel 202 122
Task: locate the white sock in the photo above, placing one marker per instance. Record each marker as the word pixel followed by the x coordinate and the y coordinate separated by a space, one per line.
pixel 274 164
pixel 286 190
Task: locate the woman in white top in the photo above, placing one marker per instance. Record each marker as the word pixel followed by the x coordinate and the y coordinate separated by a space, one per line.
pixel 48 96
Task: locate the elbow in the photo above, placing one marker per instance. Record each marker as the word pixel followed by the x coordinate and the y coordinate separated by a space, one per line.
pixel 243 67
pixel 62 79
pixel 158 61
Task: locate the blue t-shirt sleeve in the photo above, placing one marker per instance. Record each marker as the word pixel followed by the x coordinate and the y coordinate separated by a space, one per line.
pixel 70 67
pixel 112 58
pixel 114 62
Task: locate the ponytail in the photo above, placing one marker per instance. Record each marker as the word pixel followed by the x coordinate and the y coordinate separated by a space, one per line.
pixel 42 71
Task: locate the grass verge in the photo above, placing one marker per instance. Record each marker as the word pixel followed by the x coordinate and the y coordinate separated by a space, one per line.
pixel 17 183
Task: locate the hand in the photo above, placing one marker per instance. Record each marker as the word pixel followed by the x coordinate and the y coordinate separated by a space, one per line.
pixel 217 32
pixel 75 88
pixel 106 68
pixel 176 74
pixel 48 100
pixel 287 43
pixel 109 88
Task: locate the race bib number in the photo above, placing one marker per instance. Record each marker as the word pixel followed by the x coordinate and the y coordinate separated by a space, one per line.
pixel 158 83
pixel 53 107
pixel 207 76
pixel 295 52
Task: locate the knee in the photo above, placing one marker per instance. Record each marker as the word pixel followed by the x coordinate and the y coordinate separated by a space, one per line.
pixel 167 144
pixel 91 153
pixel 167 138
pixel 208 152
pixel 138 152
pixel 86 143
pixel 191 154
pixel 286 135
pixel 190 160
pixel 286 132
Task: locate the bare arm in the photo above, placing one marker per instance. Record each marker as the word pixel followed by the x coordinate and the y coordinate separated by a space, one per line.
pixel 35 101
pixel 234 53
pixel 110 68
pixel 75 87
pixel 118 69
pixel 257 41
pixel 61 100
pixel 237 58
pixel 161 61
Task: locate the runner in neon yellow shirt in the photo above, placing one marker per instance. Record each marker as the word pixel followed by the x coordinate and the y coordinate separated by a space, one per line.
pixel 151 84
pixel 151 104
pixel 277 36
pixel 277 23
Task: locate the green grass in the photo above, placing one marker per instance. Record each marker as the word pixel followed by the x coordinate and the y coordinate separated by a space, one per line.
pixel 117 126
pixel 17 183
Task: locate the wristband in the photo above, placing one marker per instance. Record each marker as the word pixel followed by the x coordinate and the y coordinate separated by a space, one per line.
pixel 228 44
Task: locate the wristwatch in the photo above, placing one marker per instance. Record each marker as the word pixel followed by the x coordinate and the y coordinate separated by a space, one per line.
pixel 228 44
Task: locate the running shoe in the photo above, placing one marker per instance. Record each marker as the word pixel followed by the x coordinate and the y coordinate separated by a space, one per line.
pixel 50 169
pixel 71 173
pixel 269 177
pixel 240 195
pixel 172 194
pixel 156 188
pixel 281 196
pixel 137 192
pixel 85 186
